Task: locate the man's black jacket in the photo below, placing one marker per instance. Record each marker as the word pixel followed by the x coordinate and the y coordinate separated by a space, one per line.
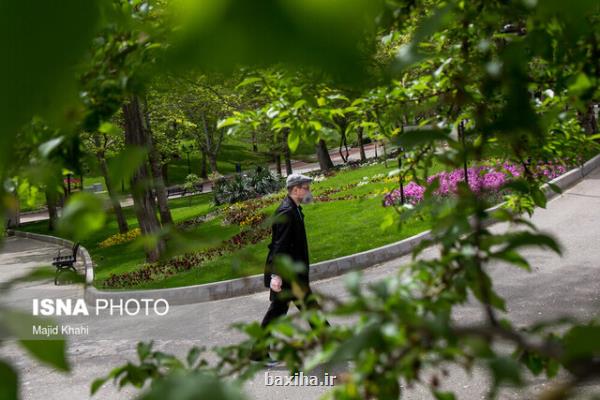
pixel 288 237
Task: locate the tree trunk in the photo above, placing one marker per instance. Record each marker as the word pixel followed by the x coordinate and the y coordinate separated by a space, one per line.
pixel 143 198
pixel 384 154
pixel 156 167
pixel 212 160
pixel 254 144
pixel 204 166
pixel 588 120
pixel 116 204
pixel 343 125
pixel 165 173
pixel 278 163
pixel 286 151
pixel 212 145
pixel 51 201
pixel 14 213
pixel 325 162
pixel 361 145
pixel 161 190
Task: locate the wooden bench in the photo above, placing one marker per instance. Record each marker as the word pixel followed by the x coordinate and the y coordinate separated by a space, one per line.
pixel 181 191
pixel 63 263
pixel 176 190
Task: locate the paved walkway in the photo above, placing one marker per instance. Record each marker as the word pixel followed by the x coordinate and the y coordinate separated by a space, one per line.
pixel 371 151
pixel 557 286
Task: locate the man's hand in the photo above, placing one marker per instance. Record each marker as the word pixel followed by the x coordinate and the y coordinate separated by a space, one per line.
pixel 276 283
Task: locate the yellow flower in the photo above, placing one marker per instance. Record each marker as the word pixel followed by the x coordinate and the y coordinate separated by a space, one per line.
pixel 120 238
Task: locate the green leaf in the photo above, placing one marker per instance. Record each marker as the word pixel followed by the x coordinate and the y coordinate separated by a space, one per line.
pixel 539 198
pixel 299 103
pixel 9 382
pixel 51 352
pixel 293 140
pixel 144 349
pixel 518 185
pixel 41 46
pixel 193 355
pixel 248 81
pixel 83 215
pixel 97 384
pixel 552 368
pixel 533 362
pixel 192 385
pixel 580 84
pixel 47 147
pixel 481 285
pixel 388 221
pixel 227 122
pixel 408 54
pixel 582 342
pixel 224 35
pixel 352 281
pixel 444 395
pixel 527 239
pixel 350 348
pixel 316 125
pixel 253 330
pixel 284 327
pixel 122 166
pixel 110 129
pixel 505 369
pixel 512 257
pixel 554 188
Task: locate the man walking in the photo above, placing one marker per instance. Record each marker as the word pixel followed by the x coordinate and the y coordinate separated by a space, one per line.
pixel 289 238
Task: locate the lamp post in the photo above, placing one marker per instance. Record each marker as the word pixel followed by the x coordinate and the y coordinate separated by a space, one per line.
pixel 401 178
pixel 461 137
pixel 187 149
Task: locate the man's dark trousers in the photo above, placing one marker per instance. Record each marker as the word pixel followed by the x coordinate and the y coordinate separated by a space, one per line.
pixel 280 304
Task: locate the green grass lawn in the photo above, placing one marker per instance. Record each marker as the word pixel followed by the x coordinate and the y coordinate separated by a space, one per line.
pixel 335 229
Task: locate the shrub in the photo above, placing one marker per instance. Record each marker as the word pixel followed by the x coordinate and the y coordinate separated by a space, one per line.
pixel 264 182
pixel 192 181
pixel 242 187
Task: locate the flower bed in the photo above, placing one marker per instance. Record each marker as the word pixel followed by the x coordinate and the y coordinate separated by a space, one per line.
pixel 120 238
pixel 158 270
pixel 248 213
pixel 484 179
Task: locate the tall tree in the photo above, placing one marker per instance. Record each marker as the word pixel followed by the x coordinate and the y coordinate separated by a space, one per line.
pixel 101 143
pixel 136 135
pixel 157 170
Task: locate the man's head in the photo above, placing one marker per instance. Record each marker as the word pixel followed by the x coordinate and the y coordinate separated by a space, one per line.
pixel 298 186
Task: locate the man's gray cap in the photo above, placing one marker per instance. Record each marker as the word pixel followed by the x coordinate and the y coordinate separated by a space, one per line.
pixel 297 179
